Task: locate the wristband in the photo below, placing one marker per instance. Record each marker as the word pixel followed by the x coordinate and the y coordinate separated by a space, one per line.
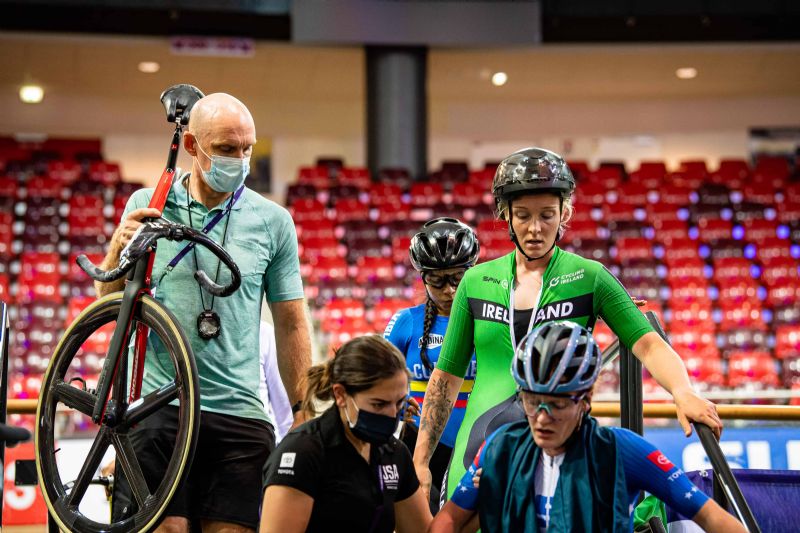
pixel 296 407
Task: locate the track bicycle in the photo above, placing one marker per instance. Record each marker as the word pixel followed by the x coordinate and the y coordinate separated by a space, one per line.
pixel 115 406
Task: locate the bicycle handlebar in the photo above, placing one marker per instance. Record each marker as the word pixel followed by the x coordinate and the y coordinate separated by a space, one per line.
pixel 150 231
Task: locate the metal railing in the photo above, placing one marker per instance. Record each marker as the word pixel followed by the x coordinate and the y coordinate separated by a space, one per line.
pixel 631 410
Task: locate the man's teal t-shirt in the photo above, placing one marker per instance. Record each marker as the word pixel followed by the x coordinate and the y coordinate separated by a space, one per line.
pixel 262 240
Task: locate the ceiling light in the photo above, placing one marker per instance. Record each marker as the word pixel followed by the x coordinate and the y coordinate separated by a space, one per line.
pixel 499 79
pixel 686 73
pixel 149 67
pixel 31 94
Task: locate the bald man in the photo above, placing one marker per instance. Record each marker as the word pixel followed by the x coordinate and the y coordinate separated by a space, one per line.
pixel 222 492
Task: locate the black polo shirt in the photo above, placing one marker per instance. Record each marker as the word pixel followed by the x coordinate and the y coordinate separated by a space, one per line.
pixel 349 494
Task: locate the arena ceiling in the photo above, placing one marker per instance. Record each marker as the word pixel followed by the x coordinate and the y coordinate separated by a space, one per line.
pixel 87 66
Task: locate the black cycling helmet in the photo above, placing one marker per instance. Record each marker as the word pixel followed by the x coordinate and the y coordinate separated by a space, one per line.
pixel 532 170
pixel 444 243
pixel 557 358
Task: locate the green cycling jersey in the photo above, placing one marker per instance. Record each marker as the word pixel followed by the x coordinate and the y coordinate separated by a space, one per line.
pixel 482 318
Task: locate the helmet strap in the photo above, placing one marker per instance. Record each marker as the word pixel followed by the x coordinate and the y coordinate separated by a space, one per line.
pixel 513 235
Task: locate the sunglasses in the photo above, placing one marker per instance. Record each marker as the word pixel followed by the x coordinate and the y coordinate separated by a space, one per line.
pixel 555 407
pixel 438 281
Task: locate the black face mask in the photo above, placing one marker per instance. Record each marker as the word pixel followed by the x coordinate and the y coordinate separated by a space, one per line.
pixel 373 427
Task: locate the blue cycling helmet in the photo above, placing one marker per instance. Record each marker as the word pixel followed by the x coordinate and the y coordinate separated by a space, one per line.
pixel 557 358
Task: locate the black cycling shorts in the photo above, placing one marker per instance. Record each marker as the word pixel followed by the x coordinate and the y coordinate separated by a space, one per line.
pixel 224 483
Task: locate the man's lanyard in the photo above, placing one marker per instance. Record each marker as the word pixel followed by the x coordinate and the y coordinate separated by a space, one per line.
pixel 213 222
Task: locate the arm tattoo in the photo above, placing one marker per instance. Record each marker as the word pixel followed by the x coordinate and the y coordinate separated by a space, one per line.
pixel 437 414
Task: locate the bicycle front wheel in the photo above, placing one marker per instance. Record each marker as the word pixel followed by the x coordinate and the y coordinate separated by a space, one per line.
pixel 64 485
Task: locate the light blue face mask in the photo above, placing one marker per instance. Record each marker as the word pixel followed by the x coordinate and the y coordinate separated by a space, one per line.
pixel 227 173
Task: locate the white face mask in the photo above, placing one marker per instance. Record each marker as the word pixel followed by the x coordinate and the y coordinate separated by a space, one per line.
pixel 227 173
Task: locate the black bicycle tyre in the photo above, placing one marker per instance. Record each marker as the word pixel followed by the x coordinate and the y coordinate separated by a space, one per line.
pixel 162 323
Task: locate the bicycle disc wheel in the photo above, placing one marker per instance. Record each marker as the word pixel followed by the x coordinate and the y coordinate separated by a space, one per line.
pixel 64 492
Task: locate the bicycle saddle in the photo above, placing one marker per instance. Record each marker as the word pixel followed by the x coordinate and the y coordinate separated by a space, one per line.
pixel 178 101
pixel 12 435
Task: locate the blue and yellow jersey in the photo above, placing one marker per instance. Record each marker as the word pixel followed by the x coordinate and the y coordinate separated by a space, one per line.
pixel 405 331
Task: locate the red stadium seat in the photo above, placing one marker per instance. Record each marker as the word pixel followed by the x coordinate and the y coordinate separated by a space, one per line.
pixel 667 230
pixel 41 187
pixel 371 269
pixel 713 229
pixel 342 310
pixel 105 172
pixel 634 193
pixel 695 315
pixel 492 230
pixel 579 169
pixel 367 247
pixel 610 177
pixel 603 335
pixel 325 229
pixel 358 177
pixel 757 229
pixel 325 268
pixel 33 264
pixel 577 229
pixel 742 339
pixel 320 247
pixel 43 287
pixel 778 270
pixel 591 194
pixel 791 376
pixel 788 211
pixel 307 210
pixel 64 171
pixel 679 250
pixel 675 195
pixel 776 167
pixel 481 178
pixel 772 248
pixel 758 193
pixel 426 194
pixel 687 270
pixel 338 192
pixel 9 188
pixel 4 294
pixel 315 176
pixel 756 370
pixel 733 169
pixel 686 178
pixel 297 191
pixel 697 166
pixel 86 204
pixel 468 194
pixel 494 249
pixel 632 249
pixel 390 212
pixel 732 269
pixel 741 317
pixel 619 211
pixel 686 294
pixel 787 341
pixel 351 209
pixel 707 372
pixel 737 292
pixel 396 176
pixel 650 170
pixel 783 293
pixel 400 246
pixel 383 311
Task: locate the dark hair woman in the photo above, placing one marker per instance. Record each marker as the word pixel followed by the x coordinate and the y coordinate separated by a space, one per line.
pixel 345 471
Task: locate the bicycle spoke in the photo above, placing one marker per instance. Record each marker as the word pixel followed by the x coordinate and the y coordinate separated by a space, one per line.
pixel 147 405
pixel 90 466
pixel 76 398
pixel 126 458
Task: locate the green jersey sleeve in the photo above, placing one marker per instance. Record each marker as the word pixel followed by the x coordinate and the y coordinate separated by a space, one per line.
pixel 458 344
pixel 614 304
